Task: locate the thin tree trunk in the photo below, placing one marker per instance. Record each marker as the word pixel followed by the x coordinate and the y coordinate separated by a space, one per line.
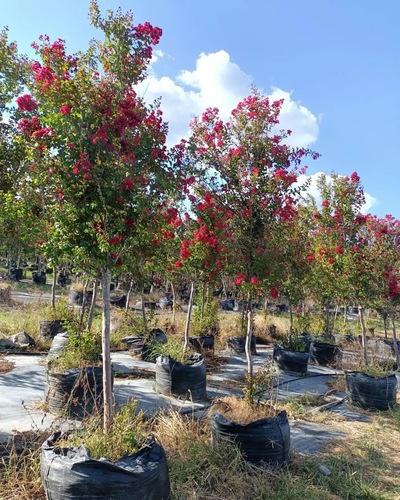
pixel 83 307
pixel 173 304
pixel 363 335
pixel 290 319
pixel 92 304
pixel 249 334
pixel 144 313
pixel 385 325
pixel 188 316
pixel 345 315
pixel 395 344
pixel 128 296
pixel 107 379
pixel 53 288
pixel 203 299
pixel 327 304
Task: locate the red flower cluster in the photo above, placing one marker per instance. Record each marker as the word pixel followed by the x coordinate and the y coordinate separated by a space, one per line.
pixel 145 30
pixel 26 103
pixel 66 109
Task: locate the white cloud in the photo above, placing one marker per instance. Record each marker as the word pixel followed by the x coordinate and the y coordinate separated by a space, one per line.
pixel 218 82
pixel 370 201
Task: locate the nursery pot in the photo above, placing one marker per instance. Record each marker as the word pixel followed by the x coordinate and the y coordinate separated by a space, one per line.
pixel 323 353
pixel 202 342
pixel 184 380
pixel 290 362
pixel 262 441
pixel 371 393
pixel 70 473
pixel 48 329
pixel 75 393
pixel 238 345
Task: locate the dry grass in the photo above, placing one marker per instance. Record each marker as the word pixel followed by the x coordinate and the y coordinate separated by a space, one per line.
pixel 241 412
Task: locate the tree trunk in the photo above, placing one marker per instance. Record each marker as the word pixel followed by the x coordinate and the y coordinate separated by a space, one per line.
pixel 290 319
pixel 249 334
pixel 385 324
pixel 83 307
pixel 203 299
pixel 395 345
pixel 144 313
pixel 188 316
pixel 173 304
pixel 327 304
pixel 363 335
pixel 53 288
pixel 105 337
pixel 128 296
pixel 92 305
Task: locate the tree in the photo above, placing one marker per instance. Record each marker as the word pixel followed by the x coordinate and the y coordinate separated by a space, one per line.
pixel 97 152
pixel 251 170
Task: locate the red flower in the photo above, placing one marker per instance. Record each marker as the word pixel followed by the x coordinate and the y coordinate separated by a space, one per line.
pixel 310 257
pixel 66 109
pixel 26 103
pixel 254 281
pixel 239 279
pixel 325 203
pixel 274 293
pixel 185 253
pixel 354 177
pixel 178 264
pixel 338 250
pixel 127 184
pixel 331 260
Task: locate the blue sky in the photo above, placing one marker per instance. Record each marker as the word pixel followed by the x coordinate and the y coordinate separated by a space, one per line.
pixel 336 63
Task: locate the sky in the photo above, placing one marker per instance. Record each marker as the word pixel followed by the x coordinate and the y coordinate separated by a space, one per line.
pixel 336 63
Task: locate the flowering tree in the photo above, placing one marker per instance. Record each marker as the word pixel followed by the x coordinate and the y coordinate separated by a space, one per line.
pixel 333 236
pixel 253 173
pixel 97 152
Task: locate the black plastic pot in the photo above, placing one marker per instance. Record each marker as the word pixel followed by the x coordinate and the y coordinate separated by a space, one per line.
pixel 76 298
pixel 39 278
pixel 238 345
pixel 70 473
pixel 156 336
pixel 324 354
pixel 290 362
pixel 263 441
pixel 183 380
pixel 371 393
pixel 202 342
pixel 48 329
pixel 75 393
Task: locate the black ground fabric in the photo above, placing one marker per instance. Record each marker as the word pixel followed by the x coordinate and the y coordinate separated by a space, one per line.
pixel 290 362
pixel 369 392
pixel 70 474
pixel 183 380
pixel 266 440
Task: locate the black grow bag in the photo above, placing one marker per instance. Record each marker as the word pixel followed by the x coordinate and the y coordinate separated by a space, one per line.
pixel 156 336
pixel 266 440
pixel 75 393
pixel 48 329
pixel 184 380
pixel 290 362
pixel 70 474
pixel 371 393
pixel 202 342
pixel 324 354
pixel 238 345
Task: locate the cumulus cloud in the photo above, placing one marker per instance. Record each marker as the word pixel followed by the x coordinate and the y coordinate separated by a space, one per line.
pixel 218 82
pixel 312 190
